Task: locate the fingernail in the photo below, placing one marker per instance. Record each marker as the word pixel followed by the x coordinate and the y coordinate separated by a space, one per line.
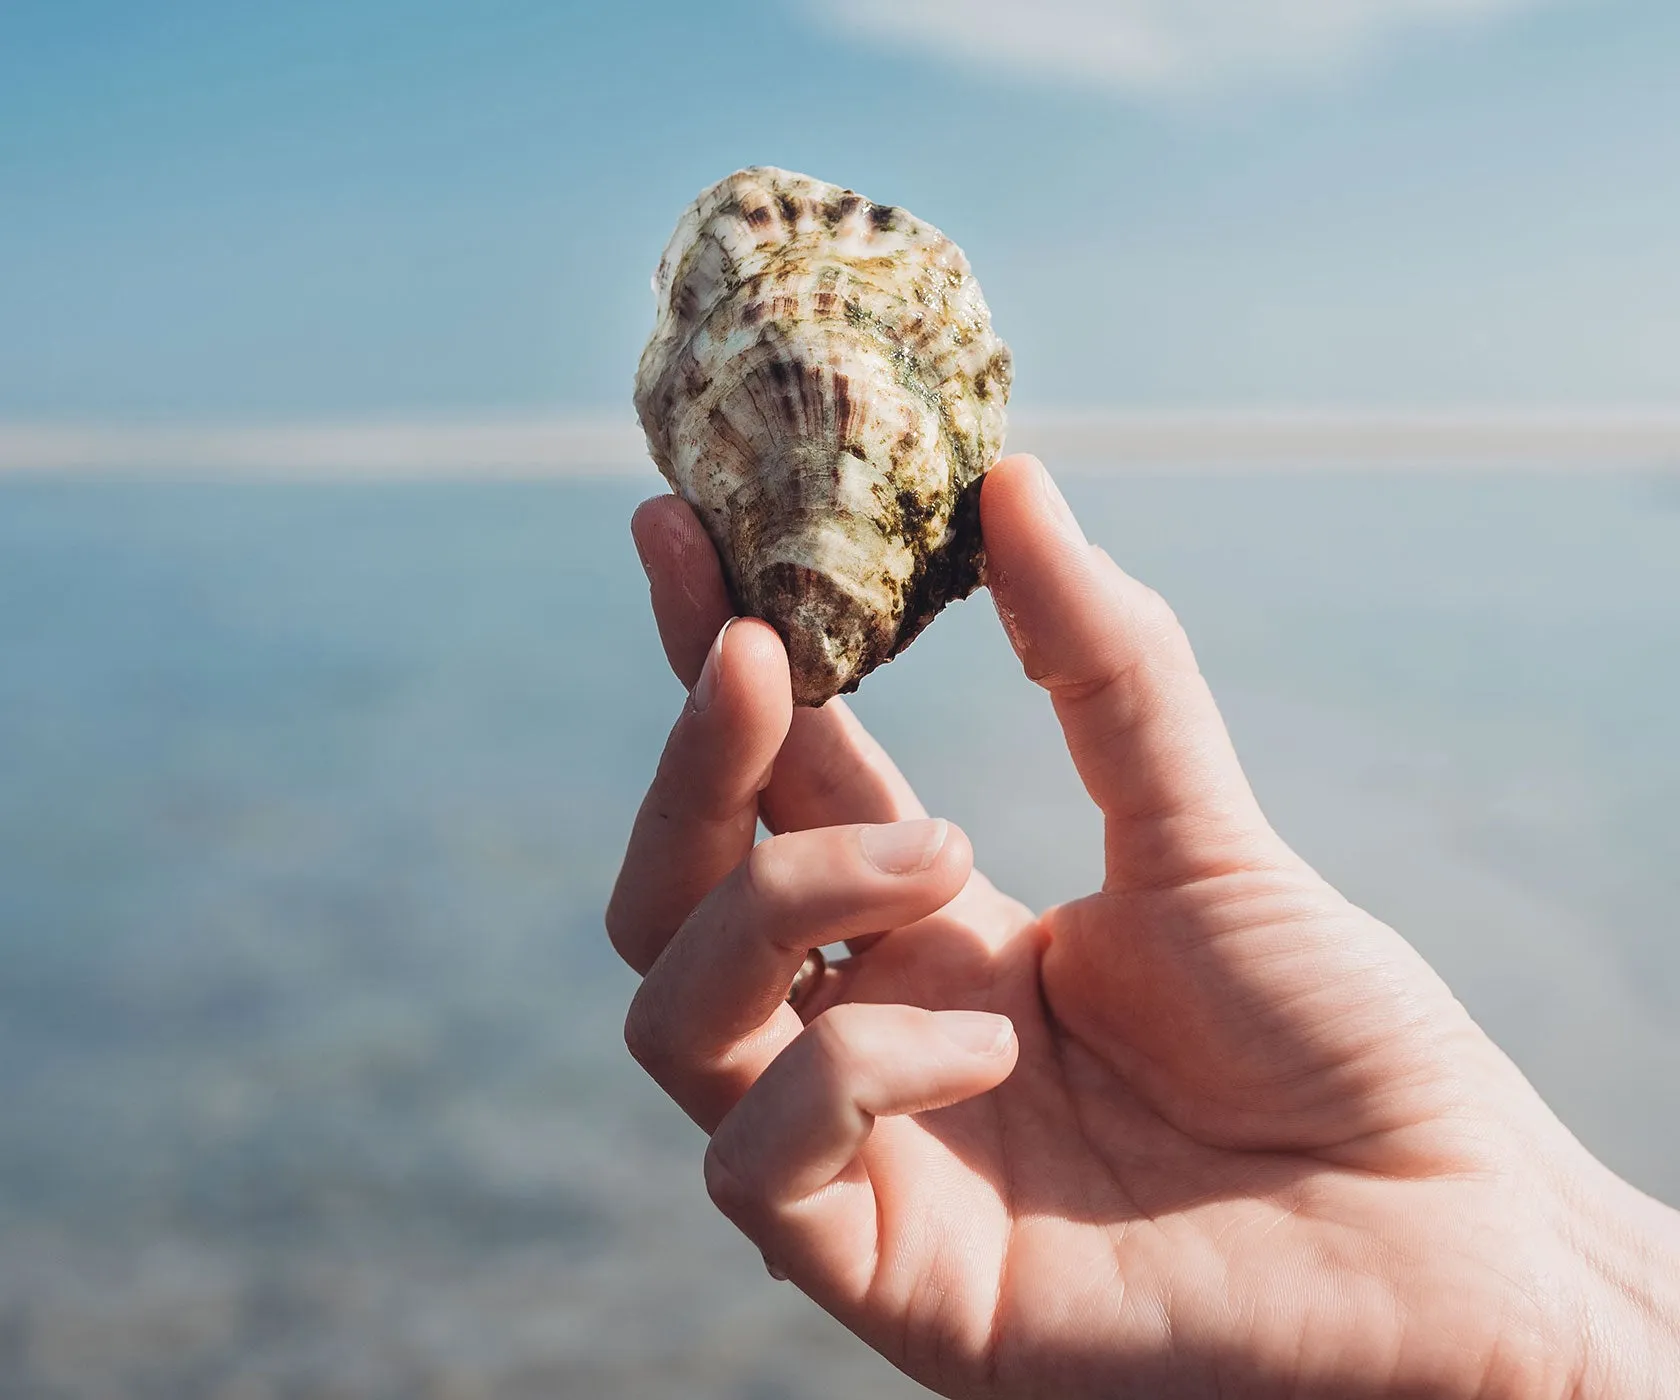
pixel 1057 502
pixel 978 1032
pixel 904 847
pixel 705 689
pixel 774 1271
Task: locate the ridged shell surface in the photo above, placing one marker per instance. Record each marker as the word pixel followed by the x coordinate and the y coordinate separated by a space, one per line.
pixel 824 387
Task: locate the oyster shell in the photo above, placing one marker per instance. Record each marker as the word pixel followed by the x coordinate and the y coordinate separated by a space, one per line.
pixel 824 387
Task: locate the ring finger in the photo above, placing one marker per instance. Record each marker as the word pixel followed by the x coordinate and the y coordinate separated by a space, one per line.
pixel 710 1015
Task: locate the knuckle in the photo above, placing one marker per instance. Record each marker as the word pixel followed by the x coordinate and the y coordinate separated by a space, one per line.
pixel 633 944
pixel 645 1039
pixel 834 1037
pixel 618 928
pixel 1143 606
pixel 1153 610
pixel 1159 626
pixel 769 877
pixel 730 1192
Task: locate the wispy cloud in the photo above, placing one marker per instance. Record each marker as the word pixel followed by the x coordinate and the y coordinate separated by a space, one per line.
pixel 1158 47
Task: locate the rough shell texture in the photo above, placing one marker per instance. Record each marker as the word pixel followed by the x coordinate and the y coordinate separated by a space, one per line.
pixel 824 387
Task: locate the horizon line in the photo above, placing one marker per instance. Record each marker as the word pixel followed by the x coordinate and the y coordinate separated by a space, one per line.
pixel 1078 441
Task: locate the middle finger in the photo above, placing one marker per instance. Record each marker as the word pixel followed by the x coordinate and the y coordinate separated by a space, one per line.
pixel 830 770
pixel 710 1015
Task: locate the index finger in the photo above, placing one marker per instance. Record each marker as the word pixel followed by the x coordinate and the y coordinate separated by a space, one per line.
pixel 701 813
pixel 830 772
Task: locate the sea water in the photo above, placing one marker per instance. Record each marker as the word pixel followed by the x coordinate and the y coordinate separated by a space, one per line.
pixel 311 1077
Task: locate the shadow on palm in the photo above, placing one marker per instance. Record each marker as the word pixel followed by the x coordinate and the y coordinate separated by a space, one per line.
pixel 1138 1138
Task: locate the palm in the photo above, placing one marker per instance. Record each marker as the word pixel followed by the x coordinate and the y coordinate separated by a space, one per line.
pixel 1234 1154
pixel 1125 1156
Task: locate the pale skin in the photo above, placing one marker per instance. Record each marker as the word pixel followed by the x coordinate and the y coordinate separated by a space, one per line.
pixel 1208 1131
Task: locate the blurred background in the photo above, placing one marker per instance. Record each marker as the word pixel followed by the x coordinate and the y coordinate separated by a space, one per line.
pixel 328 690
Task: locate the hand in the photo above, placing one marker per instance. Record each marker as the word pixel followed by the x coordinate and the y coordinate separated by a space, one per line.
pixel 1209 1130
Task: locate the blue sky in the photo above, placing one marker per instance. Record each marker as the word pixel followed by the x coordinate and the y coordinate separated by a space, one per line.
pixel 337 208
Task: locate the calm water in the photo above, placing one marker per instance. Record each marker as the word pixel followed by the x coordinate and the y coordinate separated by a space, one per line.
pixel 310 797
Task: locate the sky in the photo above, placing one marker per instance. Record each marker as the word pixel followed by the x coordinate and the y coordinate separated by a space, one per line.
pixel 337 209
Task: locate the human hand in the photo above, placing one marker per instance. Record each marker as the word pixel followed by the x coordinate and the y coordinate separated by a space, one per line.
pixel 1233 1137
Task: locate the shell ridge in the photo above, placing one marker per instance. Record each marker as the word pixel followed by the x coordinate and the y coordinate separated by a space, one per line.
pixel 824 386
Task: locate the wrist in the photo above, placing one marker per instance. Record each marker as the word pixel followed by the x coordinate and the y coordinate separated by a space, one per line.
pixel 1628 1251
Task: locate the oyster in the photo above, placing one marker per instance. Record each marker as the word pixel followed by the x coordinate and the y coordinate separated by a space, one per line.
pixel 824 387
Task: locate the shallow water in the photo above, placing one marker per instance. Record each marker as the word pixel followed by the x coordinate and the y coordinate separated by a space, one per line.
pixel 310 796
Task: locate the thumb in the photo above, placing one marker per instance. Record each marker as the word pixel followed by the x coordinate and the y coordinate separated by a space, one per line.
pixel 1140 722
